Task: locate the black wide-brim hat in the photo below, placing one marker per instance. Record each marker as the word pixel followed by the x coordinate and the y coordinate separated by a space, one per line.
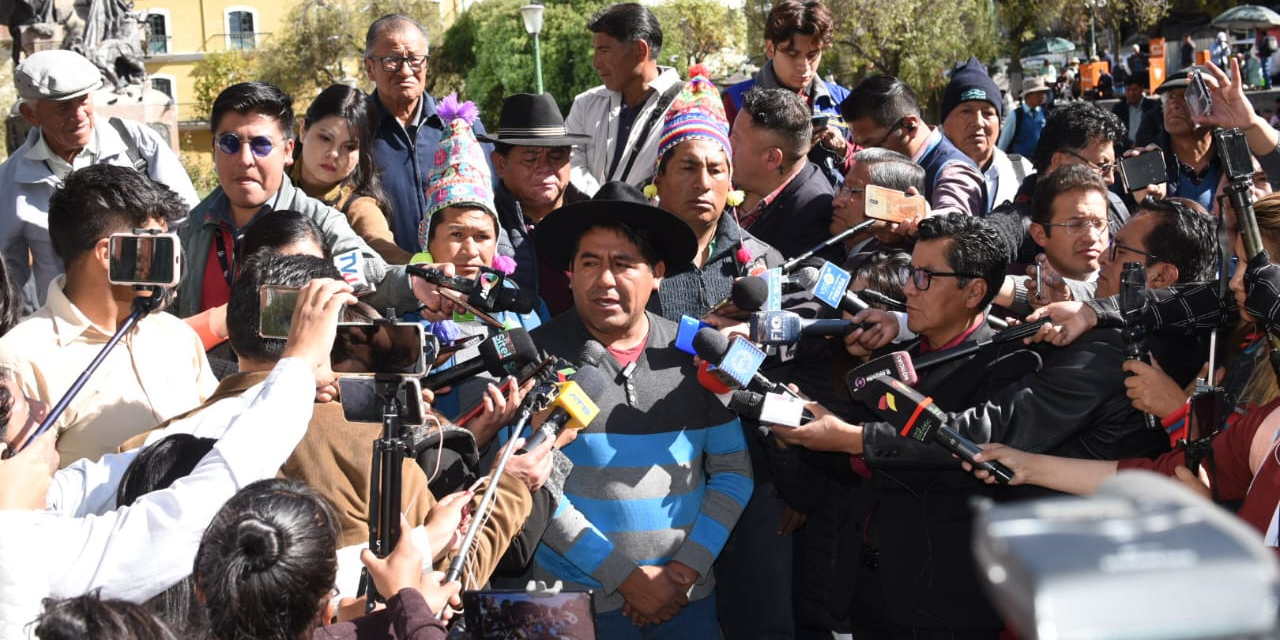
pixel 531 120
pixel 616 201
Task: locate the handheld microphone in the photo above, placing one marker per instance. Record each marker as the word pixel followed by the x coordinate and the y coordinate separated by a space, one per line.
pixel 573 405
pixel 352 267
pixel 893 304
pixel 485 291
pixel 1011 334
pixel 917 417
pixel 786 327
pixel 770 408
pixel 750 293
pixel 896 365
pixel 737 361
pixel 501 355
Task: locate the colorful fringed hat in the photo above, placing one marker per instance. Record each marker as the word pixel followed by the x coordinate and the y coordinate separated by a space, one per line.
pixel 459 173
pixel 697 113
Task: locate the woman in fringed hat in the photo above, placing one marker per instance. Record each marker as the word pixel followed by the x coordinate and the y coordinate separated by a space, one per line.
pixel 461 227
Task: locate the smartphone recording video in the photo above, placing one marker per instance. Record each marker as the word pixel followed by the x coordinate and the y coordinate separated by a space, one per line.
pixel 275 310
pixel 1199 102
pixel 382 348
pixel 144 259
pixel 361 401
pixel 1147 168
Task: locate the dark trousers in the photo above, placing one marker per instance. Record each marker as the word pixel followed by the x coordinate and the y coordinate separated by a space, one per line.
pixel 753 573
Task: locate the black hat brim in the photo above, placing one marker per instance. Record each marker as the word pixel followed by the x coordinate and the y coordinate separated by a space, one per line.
pixel 557 234
pixel 558 141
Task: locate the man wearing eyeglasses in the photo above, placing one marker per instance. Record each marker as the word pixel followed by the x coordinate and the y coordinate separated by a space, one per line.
pixel 1069 223
pixel 882 111
pixel 56 88
pixel 252 125
pixel 1077 133
pixel 406 129
pixel 891 587
pixel 1074 405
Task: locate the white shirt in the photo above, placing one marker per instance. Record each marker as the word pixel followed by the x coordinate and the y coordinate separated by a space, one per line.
pixel 157 371
pixel 595 113
pixel 136 552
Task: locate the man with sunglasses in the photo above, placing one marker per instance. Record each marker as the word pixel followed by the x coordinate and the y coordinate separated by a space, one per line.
pixel 406 129
pixel 883 111
pixel 252 125
pixel 56 90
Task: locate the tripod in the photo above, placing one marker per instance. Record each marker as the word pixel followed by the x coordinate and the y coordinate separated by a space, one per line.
pixel 389 451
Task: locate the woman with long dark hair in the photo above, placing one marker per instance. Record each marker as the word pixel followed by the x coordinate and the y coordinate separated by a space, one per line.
pixel 332 163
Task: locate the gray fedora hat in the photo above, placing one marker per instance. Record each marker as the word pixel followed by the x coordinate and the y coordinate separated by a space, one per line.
pixel 533 121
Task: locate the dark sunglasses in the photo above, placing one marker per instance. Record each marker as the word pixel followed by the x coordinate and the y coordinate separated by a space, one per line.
pixel 230 143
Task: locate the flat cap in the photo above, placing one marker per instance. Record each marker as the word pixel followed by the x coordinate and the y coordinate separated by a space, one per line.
pixel 56 74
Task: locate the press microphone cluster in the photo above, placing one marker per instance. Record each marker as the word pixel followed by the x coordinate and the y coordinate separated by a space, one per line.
pixel 573 406
pixel 751 292
pixel 770 408
pixel 737 361
pixel 503 354
pixel 918 418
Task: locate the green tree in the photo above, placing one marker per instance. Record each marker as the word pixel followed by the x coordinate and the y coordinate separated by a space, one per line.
pixel 694 30
pixel 914 40
pixel 321 42
pixel 492 55
pixel 216 72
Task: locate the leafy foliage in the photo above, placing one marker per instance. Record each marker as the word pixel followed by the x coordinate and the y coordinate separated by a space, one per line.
pixel 694 30
pixel 489 49
pixel 915 40
pixel 216 72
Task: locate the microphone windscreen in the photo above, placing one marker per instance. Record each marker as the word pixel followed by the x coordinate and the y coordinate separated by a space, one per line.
pixel 590 354
pixel 750 293
pixel 518 349
pixel 710 345
pixel 591 380
pixel 805 278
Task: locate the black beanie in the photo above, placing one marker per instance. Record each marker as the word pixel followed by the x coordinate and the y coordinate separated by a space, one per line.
pixel 970 81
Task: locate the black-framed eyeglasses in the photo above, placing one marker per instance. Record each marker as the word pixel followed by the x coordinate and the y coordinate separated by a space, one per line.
pixel 880 143
pixel 1078 227
pixel 230 144
pixel 1117 247
pixel 392 64
pixel 922 277
pixel 1103 170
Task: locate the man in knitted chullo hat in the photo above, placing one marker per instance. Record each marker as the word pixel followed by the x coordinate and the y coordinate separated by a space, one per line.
pixel 693 179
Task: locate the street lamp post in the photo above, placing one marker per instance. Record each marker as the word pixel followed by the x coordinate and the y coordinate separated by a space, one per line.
pixel 532 14
pixel 1094 5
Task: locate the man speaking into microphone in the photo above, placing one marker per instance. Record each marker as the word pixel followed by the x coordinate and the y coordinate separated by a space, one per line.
pixel 661 473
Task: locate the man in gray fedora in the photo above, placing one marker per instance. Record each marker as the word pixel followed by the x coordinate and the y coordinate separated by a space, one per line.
pixel 56 88
pixel 531 161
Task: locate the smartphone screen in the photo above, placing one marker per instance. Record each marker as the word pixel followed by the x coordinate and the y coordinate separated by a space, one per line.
pixel 500 614
pixel 1199 103
pixel 275 310
pixel 373 348
pixel 892 205
pixel 143 259
pixel 361 401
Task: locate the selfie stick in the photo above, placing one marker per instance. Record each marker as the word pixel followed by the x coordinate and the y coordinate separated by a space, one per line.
pixel 384 491
pixel 491 492
pixel 142 305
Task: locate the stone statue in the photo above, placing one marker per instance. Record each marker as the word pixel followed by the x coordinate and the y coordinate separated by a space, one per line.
pixel 107 32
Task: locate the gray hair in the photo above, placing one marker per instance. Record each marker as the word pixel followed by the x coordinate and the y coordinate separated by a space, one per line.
pixel 890 169
pixel 391 23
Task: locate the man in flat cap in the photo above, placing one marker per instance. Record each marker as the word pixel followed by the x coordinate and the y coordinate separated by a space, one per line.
pixel 56 88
